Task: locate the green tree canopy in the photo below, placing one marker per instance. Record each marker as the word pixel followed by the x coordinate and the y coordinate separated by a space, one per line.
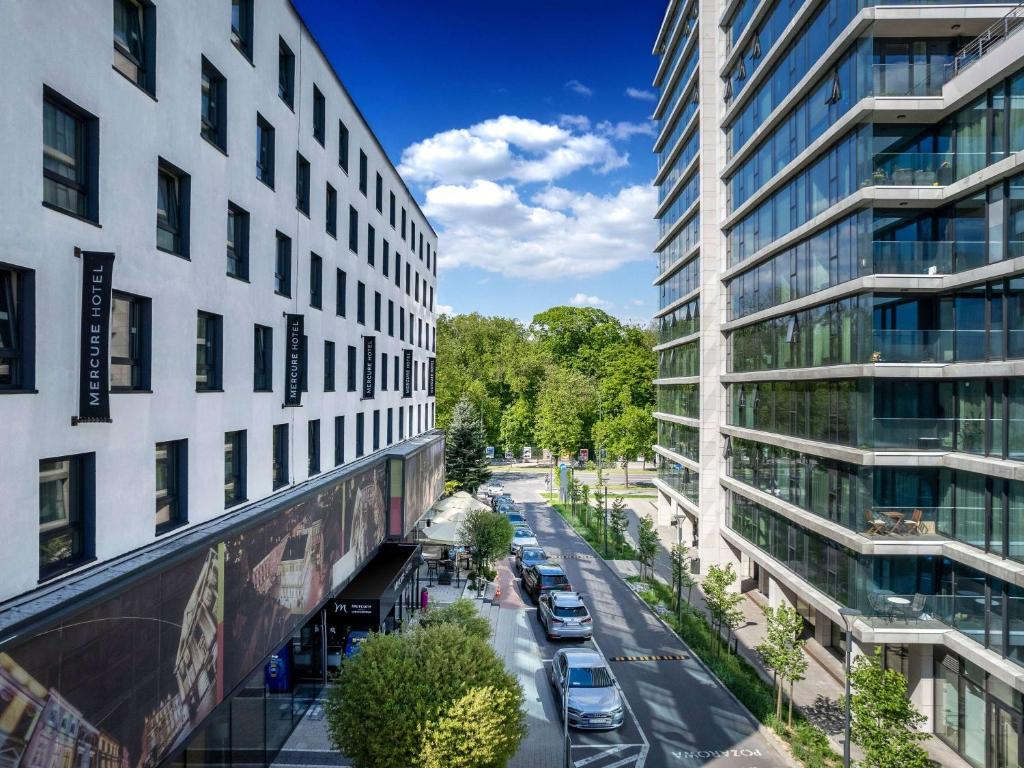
pixel 629 434
pixel 884 722
pixel 565 411
pixel 465 449
pixel 517 426
pixel 487 534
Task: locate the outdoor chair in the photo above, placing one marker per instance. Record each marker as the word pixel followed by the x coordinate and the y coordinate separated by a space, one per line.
pixel 913 525
pixel 875 524
pixel 917 606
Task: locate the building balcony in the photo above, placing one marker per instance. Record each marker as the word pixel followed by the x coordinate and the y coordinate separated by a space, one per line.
pixel 681 479
pixel 909 78
pixel 926 257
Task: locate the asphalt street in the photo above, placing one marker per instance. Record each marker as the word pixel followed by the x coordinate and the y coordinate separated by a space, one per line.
pixel 678 713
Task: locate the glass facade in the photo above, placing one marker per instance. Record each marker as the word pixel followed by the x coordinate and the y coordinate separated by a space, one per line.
pixel 679 438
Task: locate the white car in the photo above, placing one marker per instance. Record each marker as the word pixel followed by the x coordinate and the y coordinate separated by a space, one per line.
pixel 523 537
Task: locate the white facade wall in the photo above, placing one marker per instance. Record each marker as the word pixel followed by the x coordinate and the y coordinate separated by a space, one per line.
pixel 68 47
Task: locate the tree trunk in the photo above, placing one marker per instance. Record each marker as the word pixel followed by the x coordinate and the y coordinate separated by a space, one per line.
pixel 625 467
pixel 790 723
pixel 778 699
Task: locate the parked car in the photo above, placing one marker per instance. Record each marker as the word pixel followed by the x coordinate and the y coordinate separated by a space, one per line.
pixel 564 615
pixel 594 701
pixel 543 577
pixel 527 556
pixel 522 537
pixel 353 641
pixel 517 520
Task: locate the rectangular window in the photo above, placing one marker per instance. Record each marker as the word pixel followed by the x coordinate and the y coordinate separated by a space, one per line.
pixel 263 359
pixel 391 209
pixel 412 236
pixel 209 330
pixel 172 204
pixel 340 291
pixel 401 422
pixel 401 323
pixel 264 151
pixel 398 270
pixel 390 427
pixel 285 73
pixel 351 372
pixel 339 440
pixel 376 430
pixel 171 484
pixel 313 447
pixel 371 244
pixel 421 246
pixel 316 281
pixel 66 502
pixel 397 367
pixel 135 42
pixel 408 279
pixel 319 116
pixel 328 366
pixel 234 468
pixel 403 222
pixel 213 111
pixel 360 428
pixel 417 284
pixel 280 467
pixel 353 230
pixel 380 194
pixel 383 371
pixel 129 341
pixel 70 157
pixel 332 211
pixel 385 257
pixel 361 303
pixel 241 26
pixel 343 146
pixel 377 299
pixel 16 328
pixel 391 318
pixel 238 242
pixel 283 266
pixel 302 183
pixel 362 172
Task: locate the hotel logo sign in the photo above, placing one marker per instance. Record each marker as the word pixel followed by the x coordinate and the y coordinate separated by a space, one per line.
pixel 94 382
pixel 369 366
pixel 293 361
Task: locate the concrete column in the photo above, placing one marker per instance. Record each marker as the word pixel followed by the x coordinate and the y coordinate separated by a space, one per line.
pixel 666 509
pixel 921 682
pixel 779 595
pixel 822 629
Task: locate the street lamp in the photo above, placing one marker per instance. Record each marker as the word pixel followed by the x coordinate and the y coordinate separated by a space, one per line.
pixel 848 614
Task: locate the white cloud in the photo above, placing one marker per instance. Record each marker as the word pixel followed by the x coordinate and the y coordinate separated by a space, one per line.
pixel 639 302
pixel 577 87
pixel 579 122
pixel 445 309
pixel 583 300
pixel 622 131
pixel 641 95
pixel 509 148
pixel 557 198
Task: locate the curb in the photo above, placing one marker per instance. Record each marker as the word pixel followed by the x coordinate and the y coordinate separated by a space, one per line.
pixel 761 728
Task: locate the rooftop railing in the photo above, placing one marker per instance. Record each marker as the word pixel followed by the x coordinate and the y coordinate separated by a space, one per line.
pixel 1010 24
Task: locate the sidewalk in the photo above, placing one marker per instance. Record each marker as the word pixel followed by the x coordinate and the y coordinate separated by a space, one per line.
pixel 820 693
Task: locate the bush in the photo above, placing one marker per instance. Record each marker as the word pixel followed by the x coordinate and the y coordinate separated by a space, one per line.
pixel 462 613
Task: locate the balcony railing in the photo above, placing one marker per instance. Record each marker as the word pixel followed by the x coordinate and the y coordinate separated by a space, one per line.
pixel 902 522
pixel 909 78
pixel 1007 26
pixel 927 257
pixel 918 434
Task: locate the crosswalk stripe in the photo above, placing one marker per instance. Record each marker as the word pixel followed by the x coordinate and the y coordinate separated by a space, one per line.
pixel 678 657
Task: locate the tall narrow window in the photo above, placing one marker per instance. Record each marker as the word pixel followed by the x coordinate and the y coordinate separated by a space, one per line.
pixel 283 266
pixel 412 236
pixel 401 323
pixel 16 321
pixel 403 222
pixel 313 447
pixel 319 116
pixel 70 153
pixel 385 257
pixel 339 440
pixel 390 427
pixel 241 26
pixel 363 171
pixel 285 73
pixel 134 42
pixel 353 230
pixel 171 484
pixel 361 302
pixel 391 209
pixel 316 281
pixel 377 298
pixel 65 506
pixel 129 342
pixel 408 279
pixel 391 318
pixel 376 430
pixel 302 183
pixel 340 291
pixel 371 245
pixel 280 466
pixel 343 146
pixel 238 242
pixel 234 468
pixel 172 203
pixel 213 115
pixel 360 434
pixel 351 373
pixel 383 371
pixel 380 194
pixel 328 366
pixel 209 332
pixel 263 359
pixel 398 270
pixel 264 151
pixel 332 211
pixel 397 367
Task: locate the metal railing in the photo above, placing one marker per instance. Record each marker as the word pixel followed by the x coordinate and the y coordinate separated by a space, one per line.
pixel 986 41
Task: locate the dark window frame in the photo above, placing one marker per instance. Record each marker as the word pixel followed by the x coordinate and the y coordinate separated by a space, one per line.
pixel 391 213
pixel 286 73
pixel 316 281
pixel 331 211
pixel 237 471
pixel 360 437
pixel 17 316
pixel 339 440
pixel 242 33
pixel 379 194
pixel 279 455
pixel 263 358
pixel 329 366
pixel 282 267
pixel 265 146
pixel 340 292
pixel 302 183
pixel 177 226
pixel 80 517
pixel 352 369
pixel 319 116
pixel 363 172
pixel 371 244
pixel 213 115
pixel 213 343
pixel 238 256
pixel 343 146
pixel 139 345
pixel 361 302
pixel 312 447
pixel 86 180
pixel 353 229
pixel 143 58
pixel 177 488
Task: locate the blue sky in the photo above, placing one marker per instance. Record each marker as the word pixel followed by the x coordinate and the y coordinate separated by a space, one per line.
pixel 523 128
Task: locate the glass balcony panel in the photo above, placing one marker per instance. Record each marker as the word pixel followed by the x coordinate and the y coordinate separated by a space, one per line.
pixel 929 346
pixel 909 78
pixel 913 434
pixel 917 169
pixel 901 522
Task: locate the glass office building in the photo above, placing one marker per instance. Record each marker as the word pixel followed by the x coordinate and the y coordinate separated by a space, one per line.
pixel 841 329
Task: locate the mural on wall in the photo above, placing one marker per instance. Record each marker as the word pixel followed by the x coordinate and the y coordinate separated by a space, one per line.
pixel 121 683
pixel 424 482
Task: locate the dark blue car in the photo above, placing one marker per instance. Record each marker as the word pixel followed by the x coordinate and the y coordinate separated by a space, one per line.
pixel 354 640
pixel 527 556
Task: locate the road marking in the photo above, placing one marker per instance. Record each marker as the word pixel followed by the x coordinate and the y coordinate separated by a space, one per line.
pixel 570 557
pixel 600 755
pixel 642 757
pixel 705 753
pixel 676 657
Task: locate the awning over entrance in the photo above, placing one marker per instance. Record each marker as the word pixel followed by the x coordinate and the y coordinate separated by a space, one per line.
pixel 373 593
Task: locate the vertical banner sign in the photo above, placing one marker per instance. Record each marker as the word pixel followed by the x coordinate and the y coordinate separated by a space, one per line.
pixel 407 373
pixel 293 361
pixel 369 366
pixel 431 376
pixel 94 385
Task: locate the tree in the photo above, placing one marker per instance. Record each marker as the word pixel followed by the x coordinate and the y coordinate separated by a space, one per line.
pixel 576 337
pixel 647 544
pixel 627 371
pixel 884 722
pixel 628 434
pixel 465 448
pixel 782 651
pixel 681 576
pixel 516 426
pixel 565 411
pixel 462 613
pixel 618 523
pixel 487 535
pixel 722 603
pixel 392 705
